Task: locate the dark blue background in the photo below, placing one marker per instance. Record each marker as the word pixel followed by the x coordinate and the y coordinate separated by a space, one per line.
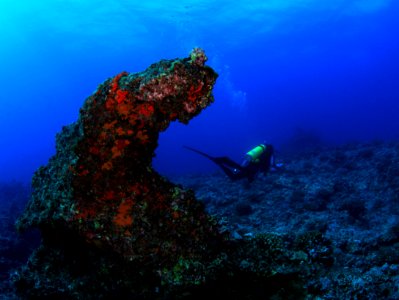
pixel 327 66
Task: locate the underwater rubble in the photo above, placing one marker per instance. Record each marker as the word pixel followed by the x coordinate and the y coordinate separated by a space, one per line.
pixel 14 249
pixel 336 209
pixel 333 211
pixel 325 226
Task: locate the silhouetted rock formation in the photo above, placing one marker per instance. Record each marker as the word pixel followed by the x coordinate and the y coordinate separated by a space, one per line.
pixel 113 228
pixel 100 191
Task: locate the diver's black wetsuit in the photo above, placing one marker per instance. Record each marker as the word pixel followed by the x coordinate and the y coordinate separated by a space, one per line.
pixel 248 169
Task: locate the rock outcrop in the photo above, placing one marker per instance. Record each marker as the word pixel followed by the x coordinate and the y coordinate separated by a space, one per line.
pixel 100 192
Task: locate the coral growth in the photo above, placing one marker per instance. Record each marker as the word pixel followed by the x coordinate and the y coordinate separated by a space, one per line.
pixel 324 226
pixel 100 186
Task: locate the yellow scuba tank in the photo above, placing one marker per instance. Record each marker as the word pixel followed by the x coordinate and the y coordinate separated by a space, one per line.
pixel 256 152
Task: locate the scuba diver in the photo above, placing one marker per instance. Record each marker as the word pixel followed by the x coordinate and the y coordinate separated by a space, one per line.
pixel 259 159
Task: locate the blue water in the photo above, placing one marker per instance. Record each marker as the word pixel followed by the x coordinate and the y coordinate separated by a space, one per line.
pixel 327 66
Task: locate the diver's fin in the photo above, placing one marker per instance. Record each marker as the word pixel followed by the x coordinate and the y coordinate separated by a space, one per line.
pixel 229 167
pixel 201 153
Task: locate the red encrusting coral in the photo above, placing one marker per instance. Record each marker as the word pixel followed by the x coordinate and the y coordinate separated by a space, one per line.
pixel 124 215
pixel 115 198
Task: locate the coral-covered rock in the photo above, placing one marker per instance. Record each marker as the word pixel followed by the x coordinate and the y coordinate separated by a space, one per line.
pixel 100 185
pixel 113 228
